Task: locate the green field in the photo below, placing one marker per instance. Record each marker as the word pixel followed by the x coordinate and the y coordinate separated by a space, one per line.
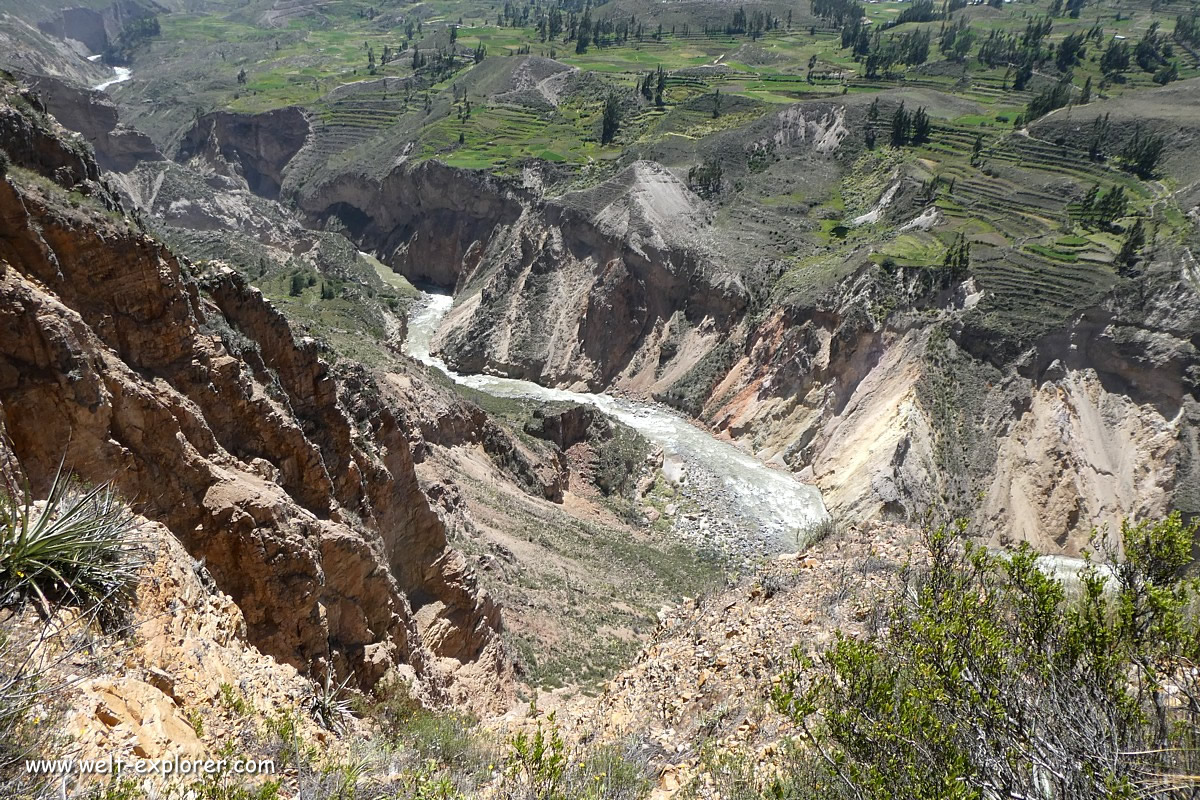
pixel 486 87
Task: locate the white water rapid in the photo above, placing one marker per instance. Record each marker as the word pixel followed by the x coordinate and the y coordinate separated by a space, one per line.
pixel 770 510
pixel 120 75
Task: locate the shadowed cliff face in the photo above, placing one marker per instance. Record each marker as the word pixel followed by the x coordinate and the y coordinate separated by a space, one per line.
pixel 295 485
pixel 253 147
pixel 95 27
pixel 430 223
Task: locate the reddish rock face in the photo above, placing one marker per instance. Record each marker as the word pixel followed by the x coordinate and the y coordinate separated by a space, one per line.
pixel 314 524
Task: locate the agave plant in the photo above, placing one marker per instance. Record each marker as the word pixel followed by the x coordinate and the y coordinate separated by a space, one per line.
pixel 76 547
pixel 330 704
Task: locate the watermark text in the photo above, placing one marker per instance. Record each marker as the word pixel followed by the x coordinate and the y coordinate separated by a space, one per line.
pixel 165 767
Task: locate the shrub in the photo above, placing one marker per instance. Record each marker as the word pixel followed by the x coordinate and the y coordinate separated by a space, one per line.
pixel 618 461
pixel 234 700
pixel 991 678
pixel 539 761
pixel 442 744
pixel 541 766
pixel 816 532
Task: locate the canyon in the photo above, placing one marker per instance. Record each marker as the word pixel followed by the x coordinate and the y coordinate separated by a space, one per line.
pixel 620 287
pixel 564 432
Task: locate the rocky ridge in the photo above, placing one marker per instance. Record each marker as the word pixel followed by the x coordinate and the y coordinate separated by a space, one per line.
pixel 622 280
pixel 701 687
pixel 889 417
pixel 205 411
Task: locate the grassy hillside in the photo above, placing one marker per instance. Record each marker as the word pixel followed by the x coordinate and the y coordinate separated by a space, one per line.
pixel 488 87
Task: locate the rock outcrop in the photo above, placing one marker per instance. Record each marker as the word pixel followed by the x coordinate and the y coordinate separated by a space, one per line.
pixel 252 147
pixel 92 114
pixel 198 403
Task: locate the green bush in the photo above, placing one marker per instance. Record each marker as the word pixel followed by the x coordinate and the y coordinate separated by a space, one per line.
pixel 991 678
pixel 541 766
pixel 619 460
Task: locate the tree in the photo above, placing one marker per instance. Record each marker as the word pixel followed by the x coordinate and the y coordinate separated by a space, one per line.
pixel 1115 59
pixel 1048 100
pixel 1087 206
pixel 1085 96
pixel 716 103
pixel 958 257
pixel 1167 73
pixel 1131 247
pixel 957 40
pixel 660 88
pixel 480 52
pixel 900 123
pixel 1148 52
pixel 921 126
pixel 297 286
pixel 583 33
pixel 1142 153
pixel 612 118
pixel 1070 52
pixel 1109 207
pixel 241 76
pixel 1022 76
pixel 869 132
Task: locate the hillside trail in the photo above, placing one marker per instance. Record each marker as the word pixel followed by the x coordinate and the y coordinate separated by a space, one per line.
pixel 750 509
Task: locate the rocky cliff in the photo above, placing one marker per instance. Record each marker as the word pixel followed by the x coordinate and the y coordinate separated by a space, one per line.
pixel 916 411
pixel 578 290
pixel 251 147
pixel 95 27
pixel 293 482
pixel 118 148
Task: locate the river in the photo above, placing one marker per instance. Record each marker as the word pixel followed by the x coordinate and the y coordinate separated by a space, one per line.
pixel 752 508
pixel 120 75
